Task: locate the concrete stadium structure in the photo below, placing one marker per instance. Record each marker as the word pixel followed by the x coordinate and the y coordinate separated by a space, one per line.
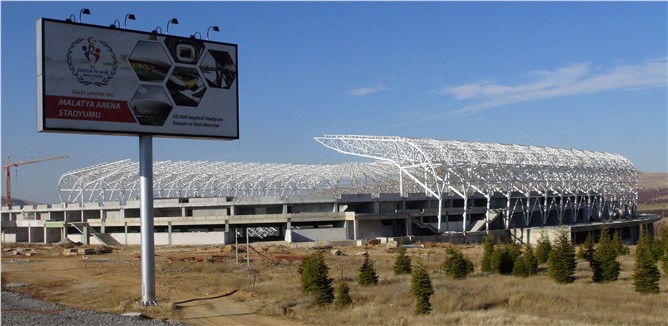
pixel 415 187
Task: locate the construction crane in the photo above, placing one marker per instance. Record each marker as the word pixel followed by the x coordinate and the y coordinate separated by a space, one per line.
pixel 7 167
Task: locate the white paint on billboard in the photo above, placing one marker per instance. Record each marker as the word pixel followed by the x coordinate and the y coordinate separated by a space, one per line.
pixel 95 79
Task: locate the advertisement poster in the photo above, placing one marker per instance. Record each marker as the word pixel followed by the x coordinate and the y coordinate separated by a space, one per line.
pixel 94 79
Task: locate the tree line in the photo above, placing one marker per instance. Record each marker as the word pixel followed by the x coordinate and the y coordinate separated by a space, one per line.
pixel 502 258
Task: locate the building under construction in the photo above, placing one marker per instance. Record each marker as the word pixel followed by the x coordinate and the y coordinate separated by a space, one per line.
pixel 410 187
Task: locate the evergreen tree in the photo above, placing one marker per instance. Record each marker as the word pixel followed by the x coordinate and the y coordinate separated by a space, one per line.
pixel 645 274
pixel 605 265
pixel 664 245
pixel 315 281
pixel 485 264
pixel 456 265
pixel 587 249
pixel 501 260
pixel 561 260
pixel 620 248
pixel 402 263
pixel 342 295
pixel 520 267
pixel 543 248
pixel 514 250
pixel 367 274
pixel 530 260
pixel 421 288
pixel 657 249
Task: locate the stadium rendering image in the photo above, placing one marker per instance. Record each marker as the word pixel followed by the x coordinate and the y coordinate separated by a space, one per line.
pixel 414 188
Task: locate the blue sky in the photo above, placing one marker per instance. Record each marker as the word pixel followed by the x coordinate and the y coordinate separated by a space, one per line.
pixel 586 75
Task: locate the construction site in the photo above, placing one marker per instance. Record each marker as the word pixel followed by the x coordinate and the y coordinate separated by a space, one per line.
pixel 414 188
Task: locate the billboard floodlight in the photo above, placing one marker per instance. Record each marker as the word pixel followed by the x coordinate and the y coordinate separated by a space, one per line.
pixel 130 17
pixel 71 18
pixel 172 21
pixel 195 35
pixel 155 31
pixel 83 11
pixel 211 28
pixel 116 24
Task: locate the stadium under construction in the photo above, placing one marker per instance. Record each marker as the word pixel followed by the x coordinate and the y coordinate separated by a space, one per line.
pixel 415 188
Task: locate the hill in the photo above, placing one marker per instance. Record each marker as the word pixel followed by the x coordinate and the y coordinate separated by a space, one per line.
pixel 653 193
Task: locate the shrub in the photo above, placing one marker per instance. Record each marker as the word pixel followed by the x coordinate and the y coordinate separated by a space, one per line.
pixel 367 274
pixel 543 248
pixel 561 260
pixel 586 251
pixel 342 295
pixel 485 264
pixel 530 260
pixel 402 263
pixel 502 261
pixel 520 268
pixel 664 245
pixel 315 281
pixel 421 288
pixel 456 265
pixel 645 274
pixel 620 248
pixel 656 247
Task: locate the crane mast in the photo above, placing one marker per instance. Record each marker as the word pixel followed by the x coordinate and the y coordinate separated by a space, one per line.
pixel 9 165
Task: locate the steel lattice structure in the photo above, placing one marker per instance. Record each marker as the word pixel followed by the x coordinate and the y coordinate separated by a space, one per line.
pixel 529 177
pixel 563 177
pixel 119 181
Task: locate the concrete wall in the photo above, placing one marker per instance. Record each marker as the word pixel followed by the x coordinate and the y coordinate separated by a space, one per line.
pixel 531 235
pixel 325 234
pixel 8 237
pixel 162 238
pixel 372 229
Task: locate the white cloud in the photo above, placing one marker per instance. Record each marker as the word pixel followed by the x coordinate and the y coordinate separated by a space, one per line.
pixel 367 90
pixel 570 80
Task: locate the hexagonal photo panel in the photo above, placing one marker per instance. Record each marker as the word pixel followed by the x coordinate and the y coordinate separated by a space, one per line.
pixel 150 61
pixel 184 50
pixel 186 86
pixel 219 69
pixel 151 105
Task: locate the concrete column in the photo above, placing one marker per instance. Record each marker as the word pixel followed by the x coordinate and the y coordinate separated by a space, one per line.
pixel 126 232
pixel 169 232
pixel 285 209
pixel 183 211
pixel 355 229
pixel 409 227
pixel 232 210
pixel 29 233
pixel 376 207
pixel 227 225
pixel 335 208
pixel 45 237
pixel 85 237
pixel 288 231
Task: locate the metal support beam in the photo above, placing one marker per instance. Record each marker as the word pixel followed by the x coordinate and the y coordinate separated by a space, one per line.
pixel 146 218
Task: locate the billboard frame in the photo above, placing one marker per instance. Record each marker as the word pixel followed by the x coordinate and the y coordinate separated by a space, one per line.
pixel 43 126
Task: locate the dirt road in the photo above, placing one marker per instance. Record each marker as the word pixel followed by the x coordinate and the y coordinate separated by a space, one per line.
pixel 111 282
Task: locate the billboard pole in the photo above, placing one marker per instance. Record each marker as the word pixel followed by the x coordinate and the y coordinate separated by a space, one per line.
pixel 146 215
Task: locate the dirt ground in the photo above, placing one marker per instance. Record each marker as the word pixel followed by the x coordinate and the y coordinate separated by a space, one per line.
pixel 110 280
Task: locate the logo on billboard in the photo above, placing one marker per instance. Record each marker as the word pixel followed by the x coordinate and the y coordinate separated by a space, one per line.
pixel 92 61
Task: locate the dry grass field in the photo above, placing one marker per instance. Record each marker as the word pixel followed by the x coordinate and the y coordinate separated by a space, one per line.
pixel 269 291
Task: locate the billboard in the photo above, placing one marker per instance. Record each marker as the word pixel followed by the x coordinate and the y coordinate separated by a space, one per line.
pixel 94 79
